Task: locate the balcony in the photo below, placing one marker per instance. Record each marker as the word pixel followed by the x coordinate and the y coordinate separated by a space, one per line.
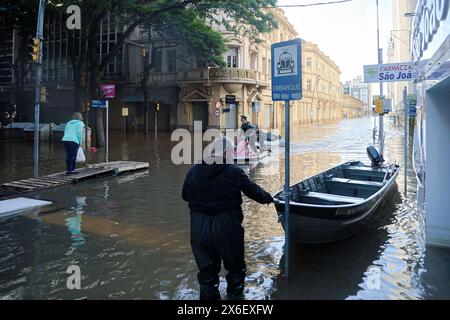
pixel 158 78
pixel 224 75
pixel 205 75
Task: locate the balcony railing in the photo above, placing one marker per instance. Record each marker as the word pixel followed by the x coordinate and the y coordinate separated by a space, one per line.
pixel 206 75
pixel 224 75
pixel 156 78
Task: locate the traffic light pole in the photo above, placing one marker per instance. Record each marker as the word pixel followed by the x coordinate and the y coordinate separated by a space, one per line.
pixel 39 35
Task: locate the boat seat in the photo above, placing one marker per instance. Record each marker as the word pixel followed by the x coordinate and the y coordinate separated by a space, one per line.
pixel 334 197
pixel 356 182
pixel 367 169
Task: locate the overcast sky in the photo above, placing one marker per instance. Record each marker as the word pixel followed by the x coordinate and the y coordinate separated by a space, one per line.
pixel 347 32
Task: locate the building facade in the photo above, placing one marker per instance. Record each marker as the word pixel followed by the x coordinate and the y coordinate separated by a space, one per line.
pixel 399 47
pixel 188 92
pixel 430 44
pixel 322 99
pixel 352 107
pixel 359 90
pixel 180 90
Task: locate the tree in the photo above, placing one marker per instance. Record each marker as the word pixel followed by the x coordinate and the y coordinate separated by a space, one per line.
pixel 19 16
pixel 189 20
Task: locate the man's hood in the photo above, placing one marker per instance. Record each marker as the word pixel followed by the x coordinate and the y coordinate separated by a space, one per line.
pixel 210 170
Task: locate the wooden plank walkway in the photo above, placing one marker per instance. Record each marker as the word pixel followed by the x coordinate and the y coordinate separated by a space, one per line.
pixel 92 171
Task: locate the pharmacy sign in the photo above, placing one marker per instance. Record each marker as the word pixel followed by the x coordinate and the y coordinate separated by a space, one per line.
pixel 392 72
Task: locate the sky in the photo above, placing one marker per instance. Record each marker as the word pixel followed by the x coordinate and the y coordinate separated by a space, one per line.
pixel 346 32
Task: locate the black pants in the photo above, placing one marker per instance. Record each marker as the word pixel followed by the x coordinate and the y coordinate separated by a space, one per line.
pixel 216 238
pixel 71 154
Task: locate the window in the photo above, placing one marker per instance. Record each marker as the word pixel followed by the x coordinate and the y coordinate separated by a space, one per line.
pixel 232 58
pixel 264 65
pixel 309 85
pixel 308 62
pixel 254 61
pixel 158 60
pixel 171 60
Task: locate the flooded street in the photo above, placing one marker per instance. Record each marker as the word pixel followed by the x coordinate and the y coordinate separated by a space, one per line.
pixel 130 234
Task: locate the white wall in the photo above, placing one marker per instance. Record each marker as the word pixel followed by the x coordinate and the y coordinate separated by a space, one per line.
pixel 437 180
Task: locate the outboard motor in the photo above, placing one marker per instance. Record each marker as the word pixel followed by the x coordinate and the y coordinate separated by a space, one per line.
pixel 374 156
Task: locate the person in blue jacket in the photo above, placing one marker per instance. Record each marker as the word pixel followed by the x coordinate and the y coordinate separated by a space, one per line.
pixel 213 191
pixel 73 138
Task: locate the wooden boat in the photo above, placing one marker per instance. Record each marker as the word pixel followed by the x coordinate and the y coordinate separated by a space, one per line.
pixel 334 204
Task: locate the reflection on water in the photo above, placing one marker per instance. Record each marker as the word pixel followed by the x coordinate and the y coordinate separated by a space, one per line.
pixel 130 235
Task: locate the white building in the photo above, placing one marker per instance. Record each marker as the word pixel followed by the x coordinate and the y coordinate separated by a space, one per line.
pixel 360 90
pixel 399 47
pixel 431 45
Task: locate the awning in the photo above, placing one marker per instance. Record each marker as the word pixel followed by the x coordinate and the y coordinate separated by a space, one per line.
pixel 155 94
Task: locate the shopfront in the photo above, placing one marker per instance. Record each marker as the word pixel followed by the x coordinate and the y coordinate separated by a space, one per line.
pixel 431 152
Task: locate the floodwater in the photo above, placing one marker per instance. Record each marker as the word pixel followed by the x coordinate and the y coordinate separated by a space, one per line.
pixel 129 235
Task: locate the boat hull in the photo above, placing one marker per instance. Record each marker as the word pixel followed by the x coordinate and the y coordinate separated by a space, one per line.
pixel 323 224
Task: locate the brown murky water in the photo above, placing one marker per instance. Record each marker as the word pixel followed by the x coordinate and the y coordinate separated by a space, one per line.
pixel 130 234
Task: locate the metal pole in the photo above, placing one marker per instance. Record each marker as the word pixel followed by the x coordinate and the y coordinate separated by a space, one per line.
pixel 107 132
pixel 287 193
pixel 405 105
pixel 37 106
pixel 156 124
pixel 380 61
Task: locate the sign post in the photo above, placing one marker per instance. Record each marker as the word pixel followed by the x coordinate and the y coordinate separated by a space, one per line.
pixel 104 104
pixel 405 106
pixel 286 86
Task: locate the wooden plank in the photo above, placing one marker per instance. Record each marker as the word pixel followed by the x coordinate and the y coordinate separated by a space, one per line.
pixel 16 185
pixel 46 181
pixel 54 181
pixel 90 172
pixel 38 183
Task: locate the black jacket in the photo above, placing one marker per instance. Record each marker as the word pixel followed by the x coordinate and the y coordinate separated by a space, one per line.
pixel 248 126
pixel 215 188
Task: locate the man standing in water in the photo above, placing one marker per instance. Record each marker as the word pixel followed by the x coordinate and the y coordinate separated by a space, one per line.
pixel 213 190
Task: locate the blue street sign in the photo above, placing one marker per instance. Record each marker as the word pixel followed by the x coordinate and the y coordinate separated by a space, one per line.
pixel 287 70
pixel 99 104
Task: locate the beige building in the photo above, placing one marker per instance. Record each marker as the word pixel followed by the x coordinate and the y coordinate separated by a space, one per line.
pixel 188 91
pixel 399 46
pixel 246 76
pixel 321 87
pixel 352 107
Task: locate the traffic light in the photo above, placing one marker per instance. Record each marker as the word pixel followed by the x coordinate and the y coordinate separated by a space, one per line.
pixel 45 95
pixel 157 107
pixel 34 48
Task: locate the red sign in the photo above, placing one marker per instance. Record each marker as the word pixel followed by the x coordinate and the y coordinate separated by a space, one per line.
pixel 108 90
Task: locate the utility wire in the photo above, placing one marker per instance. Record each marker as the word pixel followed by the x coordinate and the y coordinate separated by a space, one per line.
pixel 311 4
